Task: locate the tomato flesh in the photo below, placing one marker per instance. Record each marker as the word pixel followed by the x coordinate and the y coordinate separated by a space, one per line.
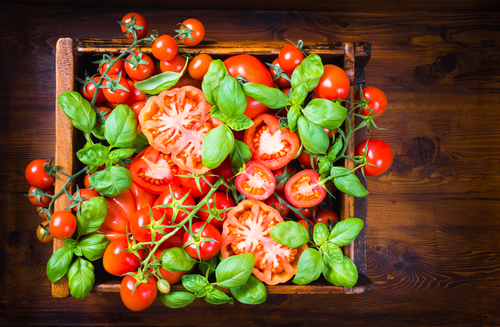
pixel 304 189
pixel 256 182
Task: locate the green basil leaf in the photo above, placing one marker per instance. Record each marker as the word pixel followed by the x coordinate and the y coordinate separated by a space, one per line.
pixel 118 155
pixel 212 79
pixel 335 148
pixel 240 123
pixel 81 278
pixel 270 97
pixel 216 113
pixel 341 274
pixel 346 231
pixel 324 165
pixel 309 268
pixel 235 270
pixel 253 291
pixel 91 215
pixel 217 145
pixel 325 113
pixel 349 184
pixel 111 181
pixel 98 132
pixel 70 243
pixel 93 246
pixel 121 127
pixel 320 233
pixel 298 95
pixel 78 110
pixel 240 156
pixel 160 82
pixel 93 155
pixel 290 233
pixel 308 72
pixel 207 267
pixel 58 264
pixel 176 259
pixel 312 136
pixel 216 296
pixel 332 252
pixel 195 283
pixel 78 250
pixel 294 113
pixel 231 97
pixel 176 300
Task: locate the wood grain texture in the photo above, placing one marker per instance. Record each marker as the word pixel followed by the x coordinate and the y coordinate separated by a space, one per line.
pixel 433 246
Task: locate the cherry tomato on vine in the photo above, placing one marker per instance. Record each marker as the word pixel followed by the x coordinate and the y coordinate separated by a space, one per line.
pixel 190 185
pixel 86 181
pixel 377 101
pixel 178 193
pixel 135 94
pixel 136 108
pixel 117 68
pixel 279 176
pixel 88 91
pixel 175 65
pixel 139 21
pixel 140 297
pixel 198 32
pixel 118 95
pixel 307 212
pixel 333 84
pixel 42 214
pixel 85 193
pixel 290 57
pixel 62 224
pixel 118 262
pixel 280 81
pixel 305 159
pixel 304 223
pixel 256 182
pixel 325 216
pixel 37 176
pixel 226 172
pixel 44 200
pixel 274 202
pixel 222 201
pixel 40 232
pixel 142 71
pixel 164 48
pixel 198 67
pixel 208 249
pixel 142 218
pixel 304 189
pixel 379 153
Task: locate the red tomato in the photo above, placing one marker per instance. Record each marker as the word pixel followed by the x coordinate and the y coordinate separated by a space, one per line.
pixel 135 95
pixel 379 153
pixel 333 84
pixel 88 91
pixel 226 172
pixel 325 216
pixel 273 146
pixel 117 68
pixel 377 101
pixel 304 223
pixel 136 108
pixel 140 297
pixel 178 193
pixel 280 176
pixel 305 159
pixel 85 193
pixel 175 65
pixel 164 48
pixel 40 234
pixel 110 234
pixel 116 95
pixel 304 189
pixel 208 249
pixel 37 176
pixel 256 182
pixel 141 71
pixel 274 202
pixel 139 20
pixel 62 224
pixel 222 201
pixel 42 214
pixel 197 32
pixel 142 218
pixel 190 185
pixel 120 208
pixel 290 57
pixel 142 198
pixel 154 171
pixel 198 67
pixel 117 262
pixel 307 213
pixel 86 181
pixel 280 81
pixel 44 201
pixel 253 71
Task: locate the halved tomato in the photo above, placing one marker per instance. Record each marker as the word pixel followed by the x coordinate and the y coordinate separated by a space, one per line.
pixel 268 143
pixel 175 122
pixel 247 230
pixel 304 189
pixel 256 182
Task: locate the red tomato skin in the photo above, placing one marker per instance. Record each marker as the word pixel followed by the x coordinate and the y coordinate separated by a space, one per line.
pixel 142 198
pixel 313 178
pixel 273 201
pixel 117 262
pixel 37 176
pixel 117 96
pixel 280 171
pixel 198 32
pixel 326 215
pixel 377 98
pixel 251 169
pixel 209 249
pixel 135 94
pixel 142 71
pixel 289 58
pixel 303 223
pixel 143 295
pixel 222 201
pixel 379 153
pixel 281 81
pixel 333 84
pixel 40 232
pixel 120 208
pixel 117 68
pixel 198 67
pixel 164 48
pixel 307 212
pixel 139 21
pixel 178 193
pixel 62 224
pixel 85 193
pixel 88 91
pixel 189 184
pixel 44 200
pixel 171 277
pixel 175 65
pixel 226 172
pixel 142 218
pixel 305 159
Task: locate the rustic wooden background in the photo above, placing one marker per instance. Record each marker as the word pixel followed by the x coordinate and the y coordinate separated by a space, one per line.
pixel 433 218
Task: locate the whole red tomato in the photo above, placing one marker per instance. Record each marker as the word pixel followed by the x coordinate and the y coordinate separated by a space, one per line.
pixel 378 152
pixel 280 81
pixel 304 223
pixel 86 194
pixel 117 68
pixel 290 57
pixel 37 176
pixel 197 32
pixel 205 182
pixel 62 224
pixel 141 71
pixel 164 48
pixel 88 91
pixel 175 192
pixel 377 101
pixel 139 20
pixel 44 201
pixel 219 201
pixel 40 234
pixel 139 297
pixel 333 84
pixel 226 172
pixel 274 202
pixel 325 216
pixel 208 249
pixel 115 94
pixel 141 219
pixel 116 261
pixel 198 67
pixel 175 65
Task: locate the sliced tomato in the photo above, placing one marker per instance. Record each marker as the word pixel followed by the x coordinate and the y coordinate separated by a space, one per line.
pixel 256 182
pixel 246 230
pixel 268 143
pixel 175 123
pixel 304 189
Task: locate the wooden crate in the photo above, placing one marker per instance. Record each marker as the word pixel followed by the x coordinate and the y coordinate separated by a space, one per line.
pixel 73 56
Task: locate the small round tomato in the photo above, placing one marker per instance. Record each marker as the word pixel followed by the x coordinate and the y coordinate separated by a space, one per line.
pixel 290 57
pixel 304 223
pixel 207 249
pixel 37 176
pixel 115 94
pixel 256 182
pixel 178 193
pixel 135 94
pixel 143 218
pixel 281 177
pixel 138 297
pixel 88 91
pixel 377 101
pixel 136 108
pixel 274 202
pixel 379 153
pixel 43 201
pixel 219 201
pixel 86 181
pixel 325 216
pixel 198 67
pixel 141 71
pixel 190 184
pixel 164 48
pixel 304 189
pixel 175 65
pixel 305 159
pixel 117 68
pixel 195 30
pixel 139 20
pixel 333 84
pixel 42 214
pixel 40 234
pixel 307 212
pixel 280 81
pixel 62 224
pixel 117 260
pixel 86 194
pixel 226 172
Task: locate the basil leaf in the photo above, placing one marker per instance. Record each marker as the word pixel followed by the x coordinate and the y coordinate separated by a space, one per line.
pixel 309 268
pixel 111 181
pixel 216 296
pixel 320 233
pixel 324 166
pixel 78 110
pixel 231 98
pixel 312 136
pixel 176 259
pixel 332 252
pixel 58 264
pixel 298 95
pixel 93 155
pixel 216 113
pixel 253 291
pixel 308 72
pixel 207 267
pixel 240 123
pixel 176 300
pixel 346 231
pixel 93 246
pixel 195 283
pixel 121 127
pixel 98 132
pixel 160 82
pixel 117 156
pixel 270 97
pixel 235 270
pixel 349 184
pixel 341 274
pixel 240 156
pixel 91 215
pixel 325 113
pixel 216 146
pixel 290 233
pixel 212 79
pixel 335 149
pixel 70 243
pixel 81 278
pixel 293 117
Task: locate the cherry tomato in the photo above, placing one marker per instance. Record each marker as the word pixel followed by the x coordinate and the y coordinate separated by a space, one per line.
pixel 42 214
pixel 189 184
pixel 307 213
pixel 44 200
pixel 118 95
pixel 304 223
pixel 279 176
pixel 139 20
pixel 164 48
pixel 280 81
pixel 136 108
pixel 274 202
pixel 86 181
pixel 117 68
pixel 226 172
pixel 142 71
pixel 379 153
pixel 135 94
pixel 333 84
pixel 377 98
pixel 178 193
pixel 325 216
pixel 304 189
pixel 175 65
pixel 62 224
pixel 118 262
pixel 256 182
pixel 142 218
pixel 198 32
pixel 208 249
pixel 222 202
pixel 88 91
pixel 85 193
pixel 140 297
pixel 305 159
pixel 198 67
pixel 40 232
pixel 290 57
pixel 37 176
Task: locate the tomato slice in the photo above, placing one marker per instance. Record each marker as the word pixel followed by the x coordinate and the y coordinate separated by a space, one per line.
pixel 154 171
pixel 247 230
pixel 304 189
pixel 175 122
pixel 268 143
pixel 256 182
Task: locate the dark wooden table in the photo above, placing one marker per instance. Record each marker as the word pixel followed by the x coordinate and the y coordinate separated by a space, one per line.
pixel 433 219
